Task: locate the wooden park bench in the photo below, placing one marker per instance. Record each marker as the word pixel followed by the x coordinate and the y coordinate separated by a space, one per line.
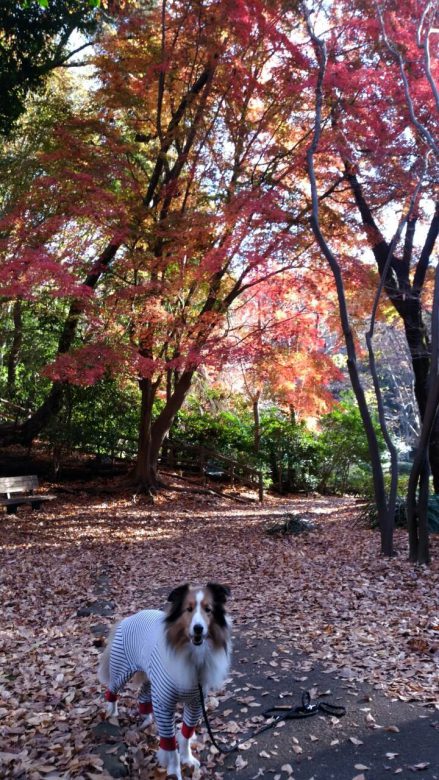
pixel 15 491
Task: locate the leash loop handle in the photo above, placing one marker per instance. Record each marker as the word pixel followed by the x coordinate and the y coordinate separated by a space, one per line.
pixel 306 704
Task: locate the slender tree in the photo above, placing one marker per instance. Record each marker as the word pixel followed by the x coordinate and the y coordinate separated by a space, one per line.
pixel 388 165
pixel 385 510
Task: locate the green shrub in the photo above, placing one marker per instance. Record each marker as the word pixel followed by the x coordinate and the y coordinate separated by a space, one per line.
pixel 290 452
pixel 102 419
pixel 293 458
pixel 224 431
pixel 344 455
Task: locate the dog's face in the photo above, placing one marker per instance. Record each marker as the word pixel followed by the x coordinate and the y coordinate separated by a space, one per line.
pixel 197 614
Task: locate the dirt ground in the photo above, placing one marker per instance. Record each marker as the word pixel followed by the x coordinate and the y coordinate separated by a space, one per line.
pixel 320 611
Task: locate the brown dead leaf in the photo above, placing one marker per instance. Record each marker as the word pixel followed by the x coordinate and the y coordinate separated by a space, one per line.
pixel 419 645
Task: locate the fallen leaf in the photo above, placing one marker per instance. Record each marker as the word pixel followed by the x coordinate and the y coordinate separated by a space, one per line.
pixel 240 763
pixel 420 767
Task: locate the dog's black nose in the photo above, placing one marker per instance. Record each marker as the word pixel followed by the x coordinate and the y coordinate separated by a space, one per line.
pixel 198 629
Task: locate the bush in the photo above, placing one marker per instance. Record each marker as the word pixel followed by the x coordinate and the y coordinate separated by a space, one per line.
pixel 102 419
pixel 224 431
pixel 290 452
pixel 344 454
pixel 293 458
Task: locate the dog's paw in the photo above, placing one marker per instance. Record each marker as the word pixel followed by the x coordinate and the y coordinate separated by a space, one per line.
pixel 171 760
pixel 186 756
pixel 191 761
pixel 111 709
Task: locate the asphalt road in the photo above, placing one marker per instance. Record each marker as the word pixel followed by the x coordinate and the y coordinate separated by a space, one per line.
pixel 376 739
pixel 389 737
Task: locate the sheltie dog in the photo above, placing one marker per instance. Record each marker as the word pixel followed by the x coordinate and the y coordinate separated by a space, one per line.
pixel 175 651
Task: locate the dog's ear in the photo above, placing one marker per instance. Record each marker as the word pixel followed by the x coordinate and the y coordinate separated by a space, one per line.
pixel 178 594
pixel 220 592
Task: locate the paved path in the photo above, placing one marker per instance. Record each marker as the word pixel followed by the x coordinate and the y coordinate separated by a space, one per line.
pixel 375 740
pixel 388 737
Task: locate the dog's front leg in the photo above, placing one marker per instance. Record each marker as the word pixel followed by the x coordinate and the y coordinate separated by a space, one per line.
pixel 167 755
pixel 186 756
pixel 145 709
pixel 171 760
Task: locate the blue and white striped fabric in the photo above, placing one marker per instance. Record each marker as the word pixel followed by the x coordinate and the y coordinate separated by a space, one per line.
pixel 139 646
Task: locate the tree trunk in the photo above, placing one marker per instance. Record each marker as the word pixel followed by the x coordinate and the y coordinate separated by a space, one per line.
pixel 419 347
pixel 152 433
pixel 201 86
pixel 17 340
pixel 257 423
pixel 405 296
pixel 145 472
pixel 385 518
pixel 26 431
pixel 417 507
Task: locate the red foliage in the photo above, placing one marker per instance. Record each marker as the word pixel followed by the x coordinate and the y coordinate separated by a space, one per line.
pixel 191 162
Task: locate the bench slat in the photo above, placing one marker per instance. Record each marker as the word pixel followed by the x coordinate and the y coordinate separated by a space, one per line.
pixel 26 499
pixel 18 484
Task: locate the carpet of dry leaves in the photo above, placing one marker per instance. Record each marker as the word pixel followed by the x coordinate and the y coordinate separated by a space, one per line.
pixel 328 593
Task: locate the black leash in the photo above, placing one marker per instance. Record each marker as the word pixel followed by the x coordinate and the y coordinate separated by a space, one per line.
pixel 305 710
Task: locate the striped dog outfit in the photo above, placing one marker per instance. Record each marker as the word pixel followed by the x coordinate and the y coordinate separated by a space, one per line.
pixel 139 645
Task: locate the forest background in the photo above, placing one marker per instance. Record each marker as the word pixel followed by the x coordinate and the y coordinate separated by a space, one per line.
pixel 204 207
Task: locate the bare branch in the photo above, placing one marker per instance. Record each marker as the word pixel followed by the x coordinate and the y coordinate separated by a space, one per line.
pixel 425 45
pixel 396 54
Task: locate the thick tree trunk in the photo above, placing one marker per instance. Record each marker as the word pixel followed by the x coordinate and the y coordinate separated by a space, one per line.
pixel 420 351
pixel 418 487
pixel 152 433
pixel 419 347
pixel 145 472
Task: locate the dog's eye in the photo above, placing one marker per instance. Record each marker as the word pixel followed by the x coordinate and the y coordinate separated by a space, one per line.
pixel 208 609
pixel 190 609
